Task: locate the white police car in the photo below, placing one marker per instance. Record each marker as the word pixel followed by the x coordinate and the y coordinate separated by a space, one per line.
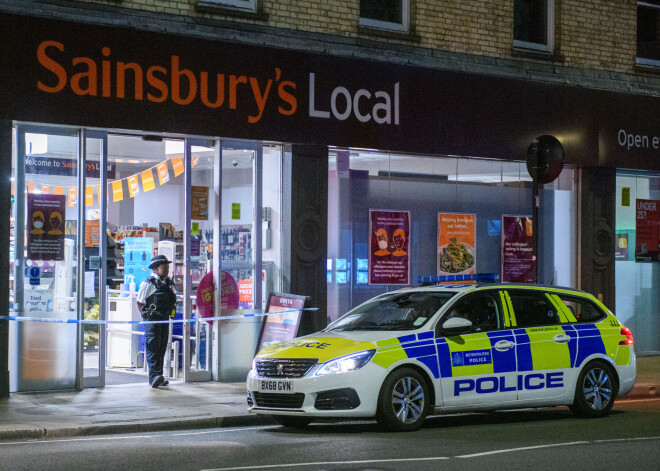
pixel 415 351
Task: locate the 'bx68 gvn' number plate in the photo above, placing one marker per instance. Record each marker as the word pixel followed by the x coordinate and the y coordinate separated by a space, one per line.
pixel 278 386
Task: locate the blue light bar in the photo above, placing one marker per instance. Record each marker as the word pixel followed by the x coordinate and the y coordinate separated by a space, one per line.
pixel 449 278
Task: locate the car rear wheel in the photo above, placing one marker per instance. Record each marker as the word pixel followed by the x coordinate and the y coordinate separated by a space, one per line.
pixel 293 422
pixel 595 390
pixel 404 401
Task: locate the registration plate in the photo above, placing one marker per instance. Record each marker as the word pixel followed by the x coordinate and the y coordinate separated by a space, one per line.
pixel 276 386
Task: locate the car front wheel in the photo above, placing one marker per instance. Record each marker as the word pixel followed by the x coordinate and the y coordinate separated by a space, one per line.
pixel 404 401
pixel 595 391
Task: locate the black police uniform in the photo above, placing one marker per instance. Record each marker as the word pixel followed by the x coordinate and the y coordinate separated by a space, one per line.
pixel 158 307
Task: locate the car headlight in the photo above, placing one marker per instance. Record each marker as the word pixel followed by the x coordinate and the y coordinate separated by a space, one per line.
pixel 347 363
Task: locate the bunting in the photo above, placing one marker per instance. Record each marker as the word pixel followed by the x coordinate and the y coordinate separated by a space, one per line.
pixel 177 165
pixel 72 197
pixel 163 173
pixel 89 196
pixel 148 180
pixel 117 191
pixel 133 185
pixel 133 182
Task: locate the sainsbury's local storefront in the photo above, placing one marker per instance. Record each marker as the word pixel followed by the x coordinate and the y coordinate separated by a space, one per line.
pixel 315 114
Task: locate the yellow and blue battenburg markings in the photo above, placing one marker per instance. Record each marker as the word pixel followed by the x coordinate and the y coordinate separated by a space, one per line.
pixel 445 359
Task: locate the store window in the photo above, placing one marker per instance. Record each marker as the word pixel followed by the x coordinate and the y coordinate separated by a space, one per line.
pixel 420 191
pixel 648 33
pixel 385 14
pixel 534 25
pixel 637 257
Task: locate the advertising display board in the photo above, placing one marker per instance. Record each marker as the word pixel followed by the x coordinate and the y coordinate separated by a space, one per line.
pixel 647 246
pixel 389 254
pixel 517 250
pixel 281 327
pixel 457 244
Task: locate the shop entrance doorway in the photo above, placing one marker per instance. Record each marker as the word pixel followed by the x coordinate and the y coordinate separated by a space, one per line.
pixel 101 205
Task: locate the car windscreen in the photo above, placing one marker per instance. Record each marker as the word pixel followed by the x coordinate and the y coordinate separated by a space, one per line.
pixel 396 311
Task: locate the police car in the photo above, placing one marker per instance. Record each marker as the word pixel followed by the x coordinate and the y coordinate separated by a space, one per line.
pixel 437 349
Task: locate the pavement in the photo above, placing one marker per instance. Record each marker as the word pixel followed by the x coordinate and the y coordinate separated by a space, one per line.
pixel 136 407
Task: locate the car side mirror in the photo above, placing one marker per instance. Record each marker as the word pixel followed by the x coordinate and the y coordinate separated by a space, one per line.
pixel 456 326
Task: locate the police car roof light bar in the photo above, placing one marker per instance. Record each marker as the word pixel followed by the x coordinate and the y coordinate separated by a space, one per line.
pixel 448 278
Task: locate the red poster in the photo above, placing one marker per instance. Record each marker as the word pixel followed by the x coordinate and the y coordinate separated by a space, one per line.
pixel 45 231
pixel 389 249
pixel 517 250
pixel 647 246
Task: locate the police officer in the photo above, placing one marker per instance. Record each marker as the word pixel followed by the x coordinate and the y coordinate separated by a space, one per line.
pixel 156 301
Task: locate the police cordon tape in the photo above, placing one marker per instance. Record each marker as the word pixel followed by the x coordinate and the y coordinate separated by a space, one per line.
pixel 168 321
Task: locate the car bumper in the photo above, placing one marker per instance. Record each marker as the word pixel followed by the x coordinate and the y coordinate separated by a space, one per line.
pixel 627 375
pixel 353 394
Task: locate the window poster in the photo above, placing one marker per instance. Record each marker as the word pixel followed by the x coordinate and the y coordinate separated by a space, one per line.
pixel 283 326
pixel 137 256
pixel 45 235
pixel 457 240
pixel 647 246
pixel 389 249
pixel 199 202
pixel 517 249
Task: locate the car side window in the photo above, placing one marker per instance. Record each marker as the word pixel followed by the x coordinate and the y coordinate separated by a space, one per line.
pixel 483 310
pixel 583 309
pixel 533 309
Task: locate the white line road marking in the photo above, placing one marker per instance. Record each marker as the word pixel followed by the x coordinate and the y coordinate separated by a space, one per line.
pixel 625 439
pixel 64 440
pixel 510 450
pixel 325 463
pixel 265 427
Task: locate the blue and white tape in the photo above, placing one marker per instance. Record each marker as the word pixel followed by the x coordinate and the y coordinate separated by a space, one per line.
pixel 169 321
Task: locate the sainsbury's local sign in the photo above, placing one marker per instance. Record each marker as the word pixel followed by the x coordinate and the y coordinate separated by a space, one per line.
pixel 105 76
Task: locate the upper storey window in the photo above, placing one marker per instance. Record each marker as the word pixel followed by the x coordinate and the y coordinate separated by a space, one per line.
pixel 534 25
pixel 648 33
pixel 393 15
pixel 241 5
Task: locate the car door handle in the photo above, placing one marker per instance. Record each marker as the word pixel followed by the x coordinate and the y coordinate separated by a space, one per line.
pixel 504 345
pixel 561 338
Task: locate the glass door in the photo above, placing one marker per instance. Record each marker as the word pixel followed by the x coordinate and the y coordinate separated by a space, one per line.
pixel 96 249
pixel 201 169
pixel 44 257
pixel 239 254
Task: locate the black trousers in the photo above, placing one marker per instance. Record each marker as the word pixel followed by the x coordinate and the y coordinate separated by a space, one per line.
pixel 155 336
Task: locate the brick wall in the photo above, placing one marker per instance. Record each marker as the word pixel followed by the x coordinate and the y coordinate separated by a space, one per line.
pixel 590 34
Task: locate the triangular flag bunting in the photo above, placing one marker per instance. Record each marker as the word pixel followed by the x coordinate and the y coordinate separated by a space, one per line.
pixel 163 173
pixel 148 180
pixel 133 185
pixel 177 165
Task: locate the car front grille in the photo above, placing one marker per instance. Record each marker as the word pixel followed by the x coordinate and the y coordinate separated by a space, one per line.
pixel 284 368
pixel 279 401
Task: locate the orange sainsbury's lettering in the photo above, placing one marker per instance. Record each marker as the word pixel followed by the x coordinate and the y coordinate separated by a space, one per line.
pixel 51 65
pixel 107 77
